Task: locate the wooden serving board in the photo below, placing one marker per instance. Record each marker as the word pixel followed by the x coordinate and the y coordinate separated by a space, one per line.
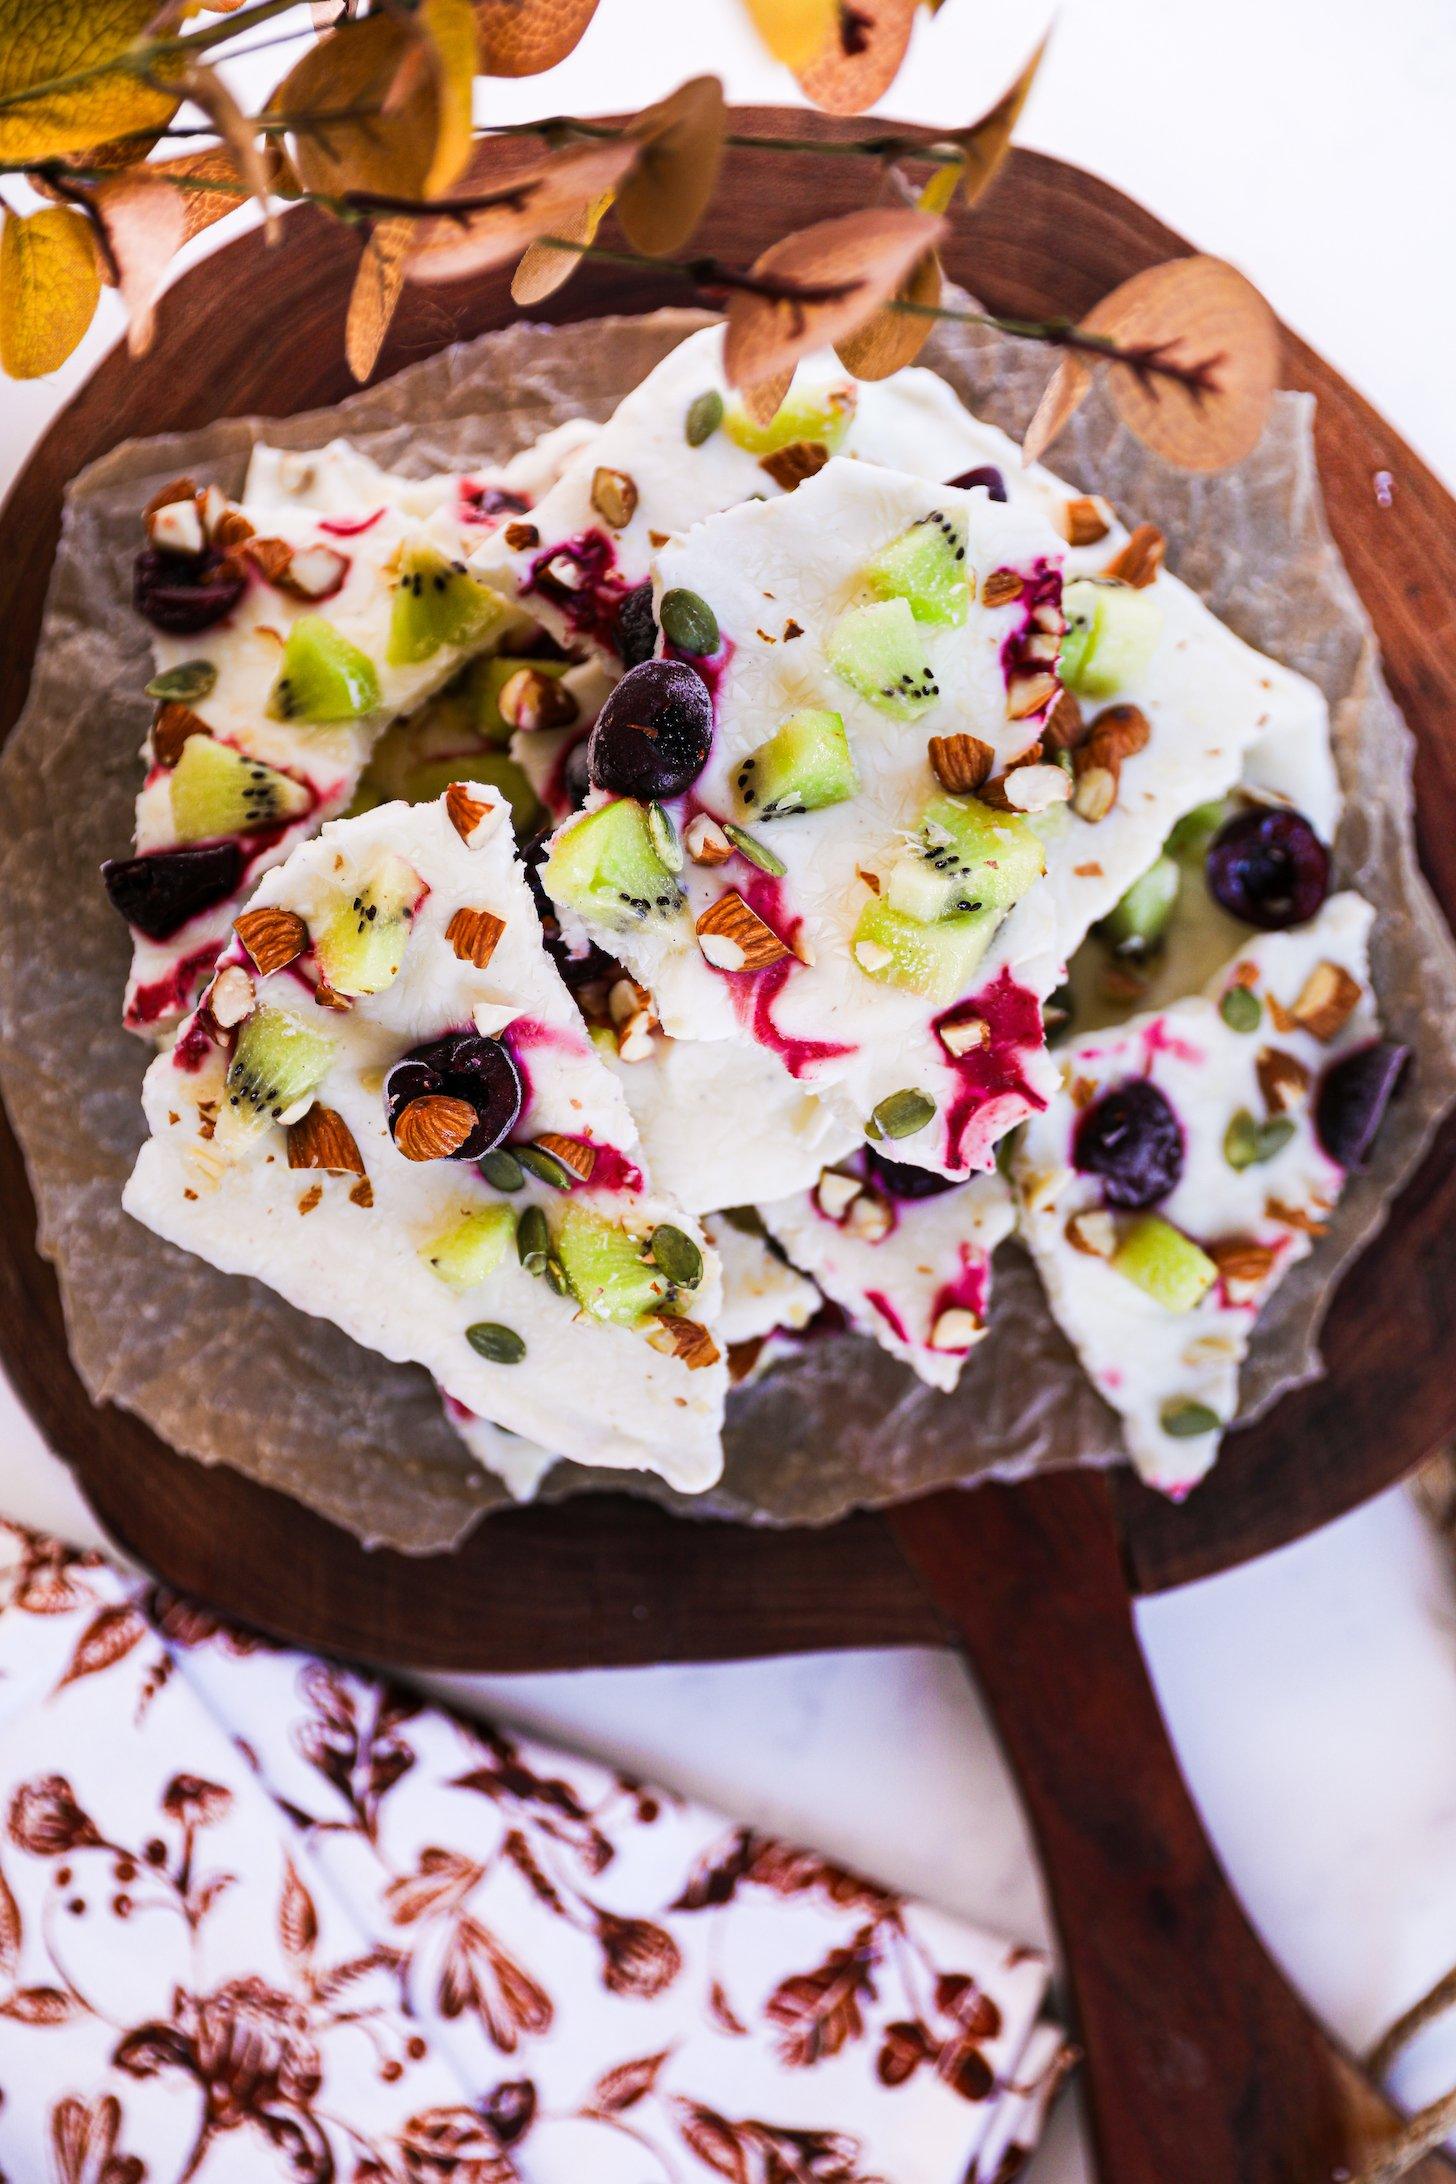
pixel 1202 2065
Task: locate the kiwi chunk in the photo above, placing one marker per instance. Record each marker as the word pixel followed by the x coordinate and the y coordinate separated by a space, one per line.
pixel 804 767
pixel 967 858
pixel 361 947
pixel 1164 1263
pixel 436 602
pixel 1112 632
pixel 605 1266
pixel 825 417
pixel 936 960
pixel 926 567
pixel 324 677
pixel 471 1248
pixel 277 1065
pixel 1136 925
pixel 604 864
pixel 879 651
pixel 218 790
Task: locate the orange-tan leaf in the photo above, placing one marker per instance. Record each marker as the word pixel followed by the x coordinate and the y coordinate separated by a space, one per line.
pixel 796 32
pixel 843 269
pixel 544 267
pixel 988 141
pixel 765 397
pixel 534 193
pixel 890 339
pixel 148 214
pixel 524 37
pixel 207 91
pixel 669 188
pixel 378 69
pixel 1063 396
pixel 1203 315
pixel 449 28
pixel 44 40
pixel 862 56
pixel 50 282
pixel 378 282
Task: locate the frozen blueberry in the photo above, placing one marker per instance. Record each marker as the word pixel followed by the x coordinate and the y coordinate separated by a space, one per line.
pixel 1132 1139
pixel 1269 868
pixel 903 1181
pixel 463 1066
pixel 158 893
pixel 1354 1093
pixel 636 626
pixel 184 593
pixel 653 735
pixel 987 475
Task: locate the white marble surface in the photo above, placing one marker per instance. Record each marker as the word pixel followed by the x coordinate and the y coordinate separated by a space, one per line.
pixel 1313 1696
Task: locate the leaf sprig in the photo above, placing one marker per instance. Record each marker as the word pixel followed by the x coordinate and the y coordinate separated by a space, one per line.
pixel 373 122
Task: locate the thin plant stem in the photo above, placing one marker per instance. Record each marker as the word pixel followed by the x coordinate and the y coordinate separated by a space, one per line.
pixel 945 154
pixel 1419 2136
pixel 138 59
pixel 1440 1999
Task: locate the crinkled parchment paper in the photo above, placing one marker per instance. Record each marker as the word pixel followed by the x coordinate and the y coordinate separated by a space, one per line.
pixel 226 1371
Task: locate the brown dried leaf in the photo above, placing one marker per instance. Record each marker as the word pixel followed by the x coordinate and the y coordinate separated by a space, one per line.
pixel 525 37
pixel 207 91
pixel 863 56
pixel 380 69
pixel 1200 313
pixel 147 215
pixel 891 338
pixel 988 141
pixel 1065 392
pixel 765 398
pixel 378 281
pixel 669 189
pixel 852 266
pixel 536 191
pixel 544 267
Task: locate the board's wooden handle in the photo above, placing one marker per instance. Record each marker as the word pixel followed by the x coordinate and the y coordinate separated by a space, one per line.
pixel 1203 2067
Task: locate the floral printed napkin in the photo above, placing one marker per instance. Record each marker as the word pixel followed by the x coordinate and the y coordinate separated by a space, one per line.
pixel 265 1918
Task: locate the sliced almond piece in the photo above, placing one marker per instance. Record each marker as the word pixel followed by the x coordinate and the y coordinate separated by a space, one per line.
pixel 1084 520
pixel 230 530
pixel 964 1034
pixel 1138 561
pixel 180 489
pixel 1001 587
pixel 705 841
pixel 175 725
pixel 1033 788
pixel 735 938
pixel 684 1339
pixel 869 1219
pixel 1092 1232
pixel 834 1193
pixel 521 537
pixel 274 938
pixel 530 700
pixel 325 997
pixel 573 1153
pixel 634 1038
pixel 475 935
pixel 1030 690
pixel 322 1139
pixel 231 997
pixel 1064 726
pixel 790 466
pixel 472 820
pixel 271 558
pixel 176 527
pixel 614 496
pixel 956 1329
pixel 1327 1000
pixel 961 763
pixel 1283 1080
pixel 1243 1265
pixel 433 1128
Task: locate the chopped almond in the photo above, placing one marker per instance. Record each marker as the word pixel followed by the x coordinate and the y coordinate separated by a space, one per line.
pixel 685 1339
pixel 964 1034
pixel 961 763
pixel 521 537
pixel 434 1127
pixel 614 497
pixel 475 935
pixel 1283 1080
pixel 175 725
pixel 468 815
pixel 1029 690
pixel 956 1329
pixel 1327 1000
pixel 573 1153
pixel 322 1139
pixel 1092 1232
pixel 1139 560
pixel 1084 520
pixel 1243 1265
pixel 1064 726
pixel 1001 587
pixel 834 1193
pixel 1031 789
pixel 530 700
pixel 735 938
pixel 790 466
pixel 274 938
pixel 705 841
pixel 1117 733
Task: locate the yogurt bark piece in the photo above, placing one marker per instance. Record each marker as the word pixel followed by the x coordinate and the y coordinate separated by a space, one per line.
pixel 442 1166
pixel 680 447
pixel 340 481
pixel 911 1271
pixel 827 695
pixel 1187 1164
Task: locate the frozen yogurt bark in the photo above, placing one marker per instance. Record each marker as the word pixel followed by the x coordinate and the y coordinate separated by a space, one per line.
pixel 1189 1160
pixel 389 1109
pixel 341 481
pixel 782 844
pixel 681 447
pixel 906 1255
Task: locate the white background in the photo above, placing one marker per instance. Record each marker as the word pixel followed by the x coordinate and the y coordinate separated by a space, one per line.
pixel 1312 1697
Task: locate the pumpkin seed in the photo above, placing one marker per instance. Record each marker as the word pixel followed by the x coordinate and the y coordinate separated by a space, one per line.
pixel 1247 1143
pixel 903 1113
pixel 663 836
pixel 688 622
pixel 189 679
pixel 705 415
pixel 1184 1419
pixel 748 846
pixel 1240 1009
pixel 545 1167
pixel 557 1278
pixel 503 1170
pixel 676 1256
pixel 502 1345
pixel 533 1240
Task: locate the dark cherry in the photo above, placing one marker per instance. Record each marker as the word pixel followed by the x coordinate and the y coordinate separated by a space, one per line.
pixel 902 1181
pixel 653 735
pixel 1132 1139
pixel 1354 1093
pixel 987 475
pixel 184 593
pixel 160 892
pixel 636 626
pixel 576 773
pixel 576 971
pixel 464 1066
pixel 1268 867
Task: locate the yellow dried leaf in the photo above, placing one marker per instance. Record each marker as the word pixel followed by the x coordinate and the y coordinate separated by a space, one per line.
pixel 861 58
pixel 376 291
pixel 449 28
pixel 845 269
pixel 545 267
pixel 523 37
pixel 986 143
pixel 43 40
pixel 49 285
pixel 535 193
pixel 891 339
pixel 1201 314
pixel 1065 392
pixel 796 32
pixel 669 188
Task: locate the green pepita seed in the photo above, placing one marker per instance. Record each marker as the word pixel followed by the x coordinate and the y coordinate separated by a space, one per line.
pixel 502 1345
pixel 1185 1419
pixel 663 836
pixel 557 1278
pixel 545 1167
pixel 1246 1143
pixel 704 417
pixel 748 846
pixel 688 622
pixel 1241 1009
pixel 533 1240
pixel 903 1113
pixel 676 1256
pixel 189 679
pixel 503 1170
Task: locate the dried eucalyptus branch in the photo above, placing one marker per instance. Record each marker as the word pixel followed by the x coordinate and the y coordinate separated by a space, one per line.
pixel 1421 2135
pixel 1431 2006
